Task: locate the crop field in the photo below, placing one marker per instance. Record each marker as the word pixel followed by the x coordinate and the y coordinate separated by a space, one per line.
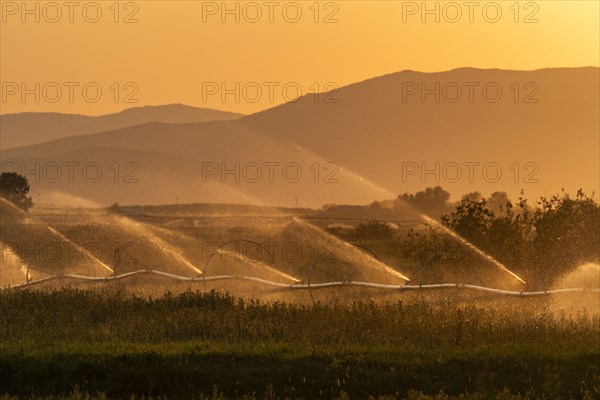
pixel 192 305
pixel 108 343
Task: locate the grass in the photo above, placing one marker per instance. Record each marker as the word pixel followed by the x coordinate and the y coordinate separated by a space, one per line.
pixel 74 343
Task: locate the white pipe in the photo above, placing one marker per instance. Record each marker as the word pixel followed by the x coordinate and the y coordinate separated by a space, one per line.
pixel 298 286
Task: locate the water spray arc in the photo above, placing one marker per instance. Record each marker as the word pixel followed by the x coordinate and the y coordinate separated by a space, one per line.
pixel 78 247
pixel 427 219
pixel 54 232
pixel 159 243
pixel 222 251
pixel 260 264
pixel 472 247
pixel 351 248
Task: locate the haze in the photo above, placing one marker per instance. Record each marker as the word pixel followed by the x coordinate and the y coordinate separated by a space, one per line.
pixel 170 52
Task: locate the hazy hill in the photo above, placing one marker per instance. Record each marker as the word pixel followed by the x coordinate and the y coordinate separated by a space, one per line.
pixel 24 129
pixel 373 130
pixel 170 162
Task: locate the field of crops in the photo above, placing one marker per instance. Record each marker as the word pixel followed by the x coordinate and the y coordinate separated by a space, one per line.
pixel 108 343
pixel 181 305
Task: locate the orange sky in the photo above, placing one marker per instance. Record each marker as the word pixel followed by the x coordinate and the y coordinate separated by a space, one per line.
pixel 178 50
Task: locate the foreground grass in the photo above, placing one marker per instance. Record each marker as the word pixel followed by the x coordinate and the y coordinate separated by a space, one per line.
pixel 52 343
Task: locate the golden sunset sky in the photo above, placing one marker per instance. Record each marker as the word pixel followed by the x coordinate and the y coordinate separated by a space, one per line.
pixel 177 48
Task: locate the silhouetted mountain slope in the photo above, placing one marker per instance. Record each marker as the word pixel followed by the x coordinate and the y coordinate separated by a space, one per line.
pixel 30 128
pixel 540 135
pixel 374 130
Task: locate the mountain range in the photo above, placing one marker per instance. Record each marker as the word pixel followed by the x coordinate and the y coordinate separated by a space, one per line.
pixel 23 129
pixel 467 130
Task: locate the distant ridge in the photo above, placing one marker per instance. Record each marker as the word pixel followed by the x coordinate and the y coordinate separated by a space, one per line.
pixel 28 128
pixel 545 140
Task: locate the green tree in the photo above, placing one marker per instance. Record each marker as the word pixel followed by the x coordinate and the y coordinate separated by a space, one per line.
pixel 541 243
pixel 471 219
pixel 431 201
pixel 567 232
pixel 14 188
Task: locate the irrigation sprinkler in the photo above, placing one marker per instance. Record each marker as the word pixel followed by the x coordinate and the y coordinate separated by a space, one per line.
pixel 309 286
pixel 116 259
pixel 27 271
pixel 27 274
pixel 422 271
pixel 310 274
pixel 318 258
pixel 347 282
pixel 236 241
pixel 470 245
